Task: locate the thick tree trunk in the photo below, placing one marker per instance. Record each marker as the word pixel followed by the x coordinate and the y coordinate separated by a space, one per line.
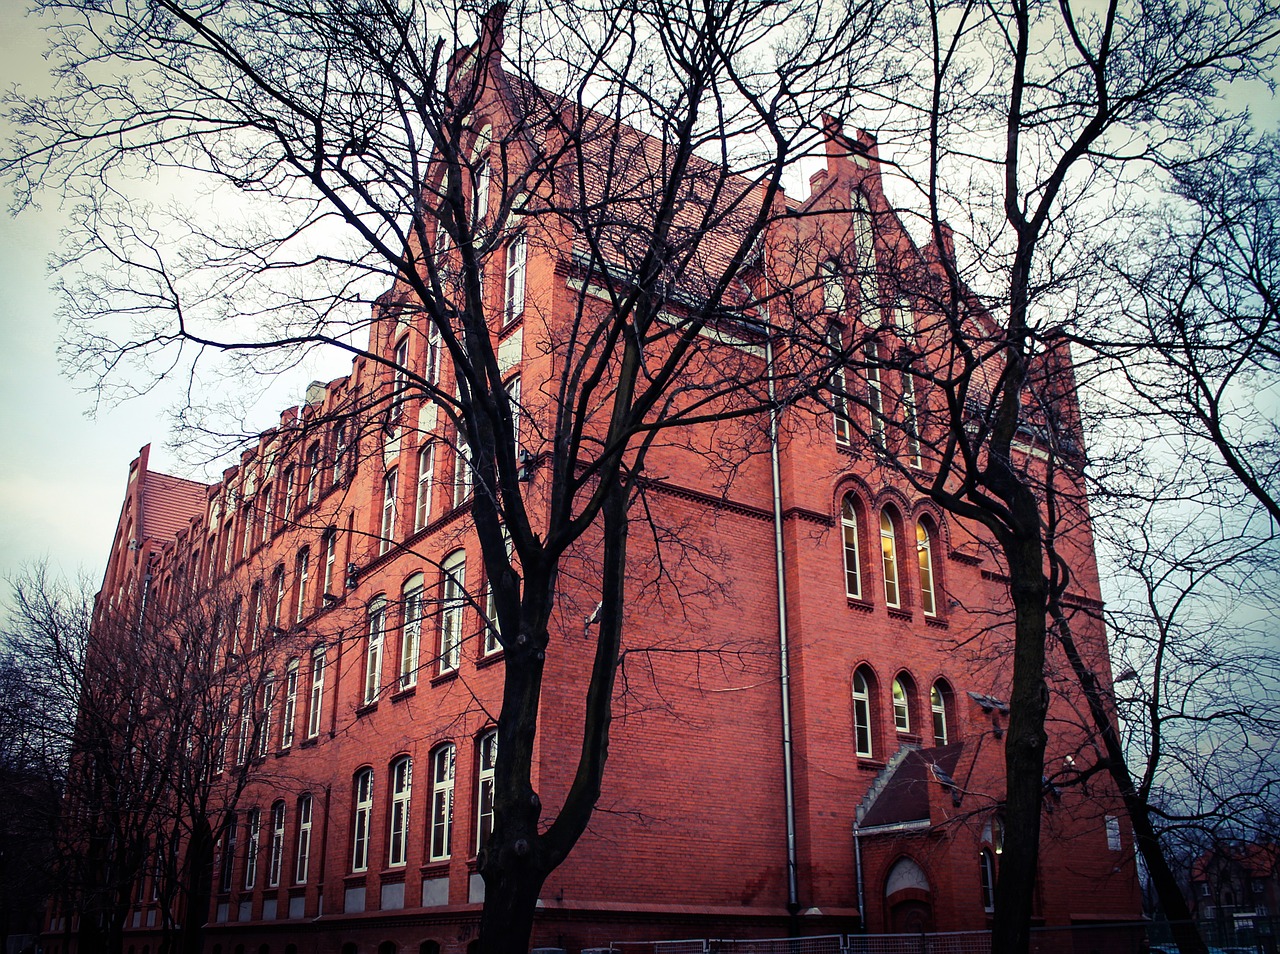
pixel 198 878
pixel 1025 740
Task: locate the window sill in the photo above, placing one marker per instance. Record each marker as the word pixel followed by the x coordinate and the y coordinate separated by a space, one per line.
pixel 357 880
pixel 367 708
pixel 869 765
pixel 897 612
pixel 937 622
pixel 858 603
pixel 394 875
pixel 491 659
pixel 309 743
pixel 408 692
pixel 444 677
pixel 435 869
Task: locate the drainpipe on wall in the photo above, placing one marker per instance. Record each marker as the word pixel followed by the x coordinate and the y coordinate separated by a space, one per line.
pixel 857 868
pixel 784 659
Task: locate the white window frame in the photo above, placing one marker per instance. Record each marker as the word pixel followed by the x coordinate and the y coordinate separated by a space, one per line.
pixel 288 717
pixel 388 528
pixel 290 492
pixel 443 770
pixel 268 706
pixel 373 649
pixel 924 558
pixel 302 860
pixel 513 307
pixel 462 476
pixel 486 756
pixel 901 706
pixel 253 829
pixel 987 876
pixel 889 560
pixel 330 559
pixel 268 511
pixel 875 392
pixel 304 580
pixel 244 743
pixel 399 378
pixel 839 399
pixel 316 705
pixel 401 789
pixel 411 631
pixel 362 819
pixel 277 610
pixel 276 861
pixel 910 421
pixel 426 479
pixel 834 297
pixel 849 541
pixel 863 736
pixel 313 473
pixel 938 705
pixel 453 604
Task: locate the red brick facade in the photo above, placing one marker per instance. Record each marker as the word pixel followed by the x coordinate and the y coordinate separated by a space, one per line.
pixel 691 838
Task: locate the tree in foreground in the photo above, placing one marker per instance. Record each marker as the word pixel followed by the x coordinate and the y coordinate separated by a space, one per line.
pixel 445 167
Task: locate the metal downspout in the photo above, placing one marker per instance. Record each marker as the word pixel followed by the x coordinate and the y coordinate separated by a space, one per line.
pixel 857 865
pixel 784 651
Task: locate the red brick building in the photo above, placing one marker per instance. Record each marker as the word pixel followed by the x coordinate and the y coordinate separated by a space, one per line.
pixel 362 824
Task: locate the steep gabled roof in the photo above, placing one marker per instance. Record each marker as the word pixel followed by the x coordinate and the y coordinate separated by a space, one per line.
pixel 900 793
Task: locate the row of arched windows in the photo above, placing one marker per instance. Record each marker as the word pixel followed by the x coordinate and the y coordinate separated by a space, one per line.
pixel 889 523
pixel 907 718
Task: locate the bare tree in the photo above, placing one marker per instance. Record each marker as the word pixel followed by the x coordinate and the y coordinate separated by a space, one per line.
pixel 641 147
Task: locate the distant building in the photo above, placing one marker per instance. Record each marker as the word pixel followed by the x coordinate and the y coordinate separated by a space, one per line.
pixel 1237 882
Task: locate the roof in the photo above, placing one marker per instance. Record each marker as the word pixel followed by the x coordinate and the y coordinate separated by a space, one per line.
pixel 169 503
pixel 1257 860
pixel 900 793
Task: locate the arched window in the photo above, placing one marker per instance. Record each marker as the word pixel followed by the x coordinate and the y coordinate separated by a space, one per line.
pixel 388 529
pixel 399 378
pixel 401 785
pixel 924 555
pixel 411 631
pixel 288 716
pixel 330 562
pixel 302 861
pixel 889 558
pixel 268 506
pixel 461 469
pixel 488 759
pixel 852 560
pixel 268 707
pixel 290 491
pixel 453 603
pixel 429 947
pixel 862 735
pixel 276 861
pixel 483 174
pixel 363 816
pixel 341 447
pixel 839 383
pixel 987 876
pixel 902 689
pixel 228 853
pixel 373 649
pixel 277 609
pixel 426 477
pixel 939 703
pixel 442 770
pixel 864 248
pixel 387 947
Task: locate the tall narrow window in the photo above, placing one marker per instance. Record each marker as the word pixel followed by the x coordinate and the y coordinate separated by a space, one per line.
pixel 839 394
pixel 433 353
pixel 924 555
pixel 515 278
pixel 255 621
pixel 513 398
pixel 426 476
pixel 277 845
pixel 302 861
pixel 277 607
pixel 290 492
pixel 938 705
pixel 313 473
pixel 833 295
pixel 484 176
pixel 852 561
pixel 864 248
pixel 910 424
pixel 889 559
pixel 330 560
pixel 244 742
pixel 388 510
pixel 453 603
pixel 488 759
pixel 875 393
pixel 340 446
pixel 401 784
pixel 268 516
pixel 461 470
pixel 901 706
pixel 316 703
pixel 862 715
pixel 228 853
pixel 987 875
pixel 288 716
pixel 268 705
pixel 442 769
pixel 411 635
pixel 904 317
pixel 373 649
pixel 304 580
pixel 360 821
pixel 253 830
pixel 400 378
